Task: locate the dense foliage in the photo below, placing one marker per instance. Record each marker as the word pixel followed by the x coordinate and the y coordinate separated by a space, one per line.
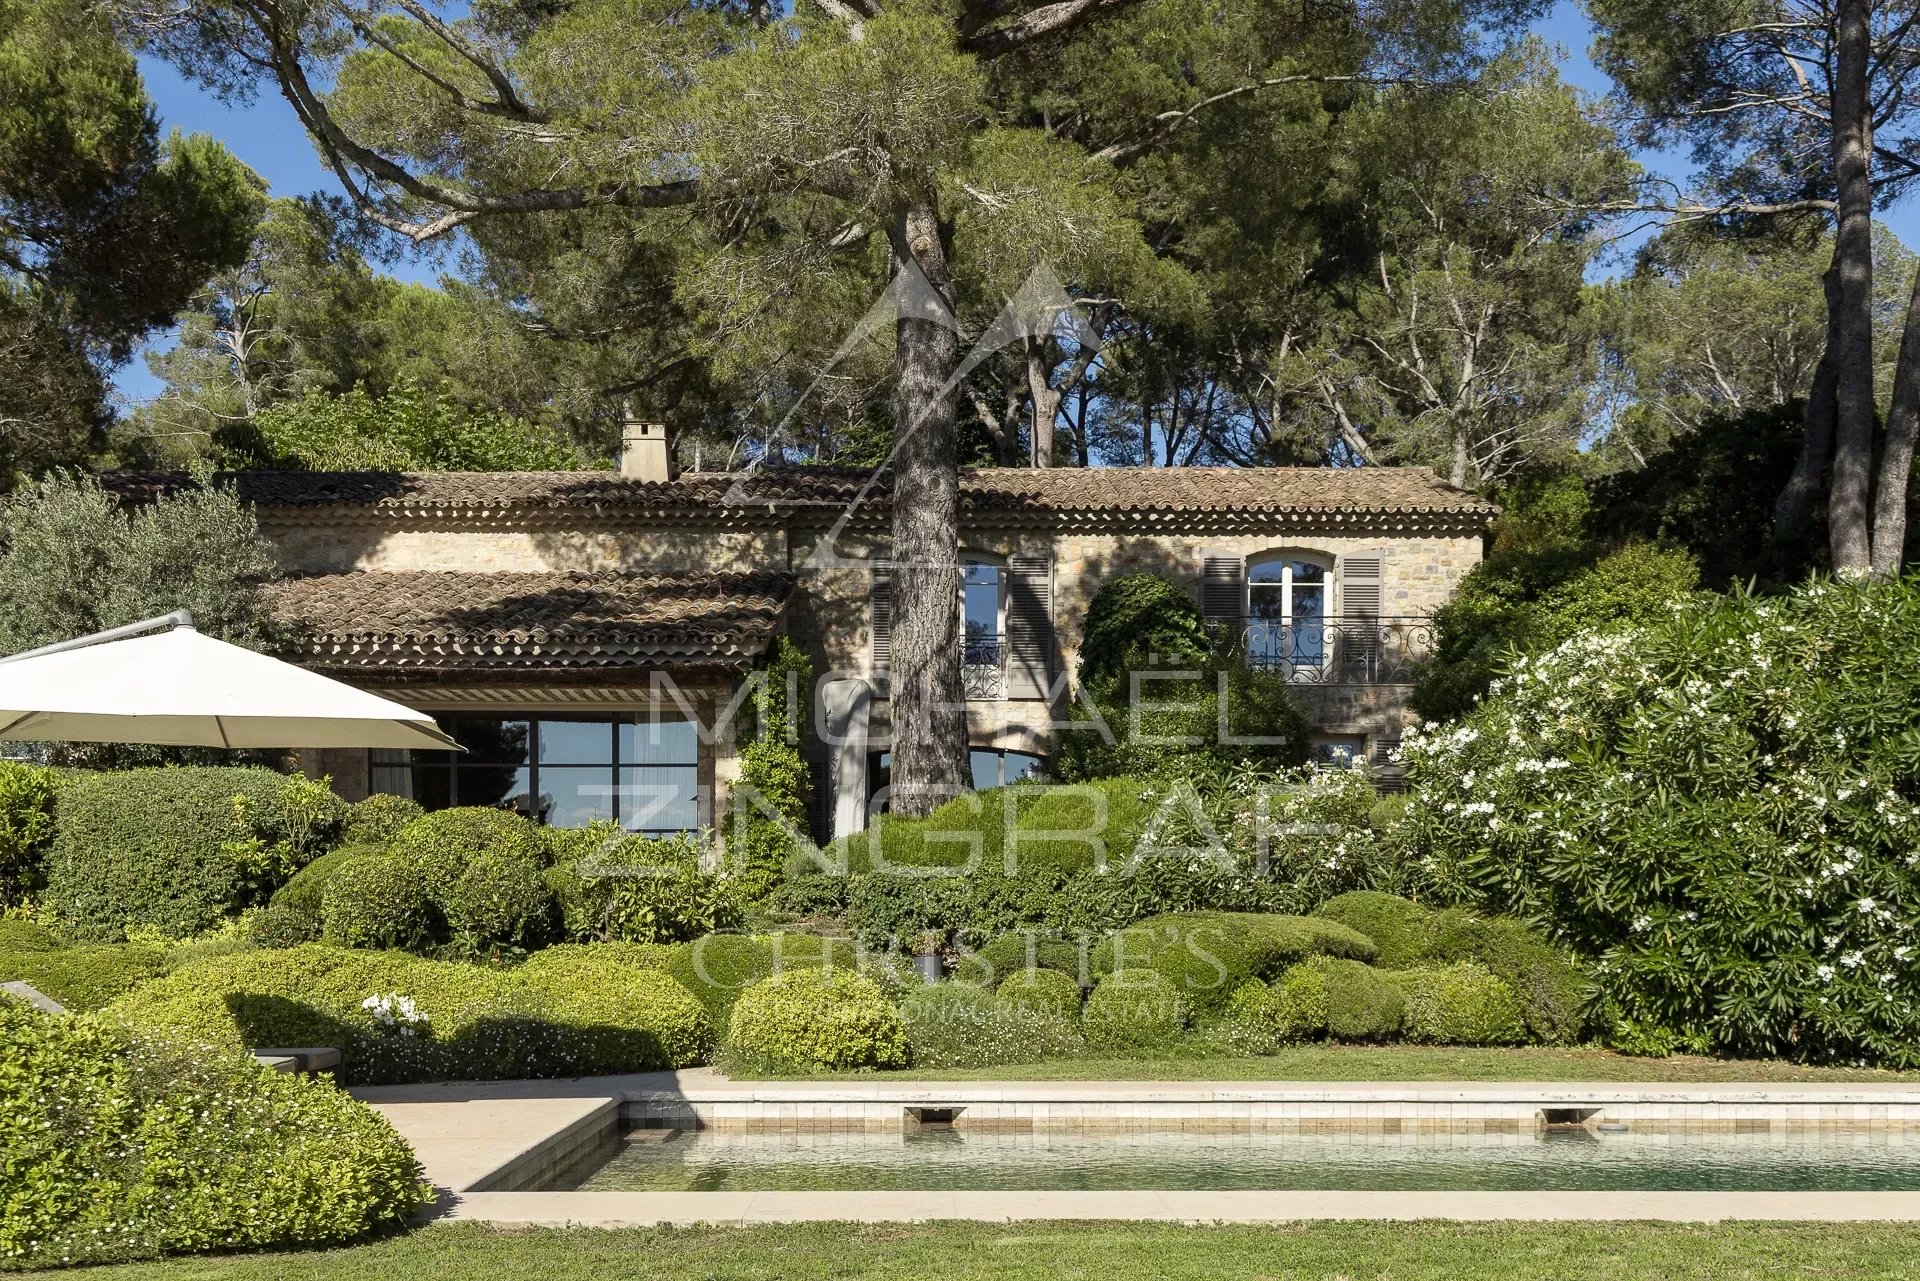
pixel 1208 956
pixel 815 1020
pixel 106 1151
pixel 85 977
pixel 408 429
pixel 1718 810
pixel 772 796
pixel 963 1025
pixel 1134 1012
pixel 27 796
pixel 613 886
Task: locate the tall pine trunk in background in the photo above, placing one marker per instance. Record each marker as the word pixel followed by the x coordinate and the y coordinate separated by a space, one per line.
pixel 929 710
pixel 1852 331
pixel 1793 510
pixel 1896 459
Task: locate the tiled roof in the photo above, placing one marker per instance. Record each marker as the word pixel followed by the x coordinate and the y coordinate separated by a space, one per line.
pixel 995 489
pixel 443 620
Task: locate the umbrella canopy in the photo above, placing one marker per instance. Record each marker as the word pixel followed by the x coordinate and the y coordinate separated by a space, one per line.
pixel 184 689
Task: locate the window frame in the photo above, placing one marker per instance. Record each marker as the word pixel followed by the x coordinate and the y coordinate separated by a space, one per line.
pixel 1288 559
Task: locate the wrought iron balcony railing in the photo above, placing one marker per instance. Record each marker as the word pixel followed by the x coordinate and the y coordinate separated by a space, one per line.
pixel 1340 651
pixel 983 667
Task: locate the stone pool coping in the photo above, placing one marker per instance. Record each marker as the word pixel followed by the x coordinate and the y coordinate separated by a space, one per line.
pixel 474 1137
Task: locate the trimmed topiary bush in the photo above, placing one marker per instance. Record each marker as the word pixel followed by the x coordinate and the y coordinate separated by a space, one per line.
pixel 1133 1011
pixel 1362 1004
pixel 18 935
pixel 963 1025
pixel 445 841
pixel 613 885
pixel 1299 1003
pixel 378 900
pixel 1461 1004
pixel 378 819
pixel 87 977
pixel 296 907
pixel 1209 955
pixel 638 956
pixel 499 900
pixel 814 1021
pixel 1553 994
pixel 1017 951
pixel 1401 929
pixel 618 1016
pixel 1247 1023
pixel 1047 990
pixel 718 968
pixel 109 1153
pixel 27 797
pixel 179 849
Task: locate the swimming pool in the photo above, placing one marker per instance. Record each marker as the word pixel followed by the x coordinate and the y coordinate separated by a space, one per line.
pixel 935 1158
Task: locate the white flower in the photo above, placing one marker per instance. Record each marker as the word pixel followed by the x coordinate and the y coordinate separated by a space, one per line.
pixel 1823 972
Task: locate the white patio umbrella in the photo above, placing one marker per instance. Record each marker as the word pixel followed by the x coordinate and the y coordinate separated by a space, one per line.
pixel 141 684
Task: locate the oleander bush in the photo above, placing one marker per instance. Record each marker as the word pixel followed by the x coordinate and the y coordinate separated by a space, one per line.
pixel 963 1025
pixel 28 794
pixel 1133 1012
pixel 1362 1003
pixel 618 1016
pixel 178 849
pixel 1046 990
pixel 1401 930
pixel 612 885
pixel 1208 956
pixel 1718 810
pixel 379 818
pixel 810 1020
pixel 106 1152
pixel 1459 1004
pixel 85 977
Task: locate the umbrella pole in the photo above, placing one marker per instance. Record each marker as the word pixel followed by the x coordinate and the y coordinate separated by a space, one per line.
pixel 178 618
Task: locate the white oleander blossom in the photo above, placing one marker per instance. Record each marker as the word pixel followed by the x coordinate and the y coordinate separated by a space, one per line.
pixel 396 1013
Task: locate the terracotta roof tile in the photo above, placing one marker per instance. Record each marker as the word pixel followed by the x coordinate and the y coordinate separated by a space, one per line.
pixel 445 620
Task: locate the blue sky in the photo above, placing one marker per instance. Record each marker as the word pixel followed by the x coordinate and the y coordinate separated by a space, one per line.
pixel 266 135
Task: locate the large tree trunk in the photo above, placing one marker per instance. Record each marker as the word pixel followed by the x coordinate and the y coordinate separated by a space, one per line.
pixel 1853 254
pixel 929 710
pixel 1793 509
pixel 1896 460
pixel 1045 401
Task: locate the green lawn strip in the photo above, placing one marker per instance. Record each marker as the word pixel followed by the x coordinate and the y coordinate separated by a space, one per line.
pixel 1094 1251
pixel 1403 1063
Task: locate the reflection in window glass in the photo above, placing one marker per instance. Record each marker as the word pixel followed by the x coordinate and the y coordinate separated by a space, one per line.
pixel 571 742
pixel 1286 613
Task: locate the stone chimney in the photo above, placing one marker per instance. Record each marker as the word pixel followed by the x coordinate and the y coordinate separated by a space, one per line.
pixel 646 451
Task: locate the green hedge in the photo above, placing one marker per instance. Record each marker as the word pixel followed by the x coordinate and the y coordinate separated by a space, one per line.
pixel 1246 1024
pixel 1133 1011
pixel 1401 930
pixel 379 900
pixel 1553 993
pixel 443 842
pixel 18 935
pixel 1018 951
pixel 500 899
pixel 1462 1004
pixel 86 977
pixel 179 849
pixel 611 885
pixel 109 1154
pixel 28 794
pixel 1362 1004
pixel 431 1020
pixel 808 1020
pixel 378 819
pixel 1047 990
pixel 1208 956
pixel 1008 831
pixel 963 1025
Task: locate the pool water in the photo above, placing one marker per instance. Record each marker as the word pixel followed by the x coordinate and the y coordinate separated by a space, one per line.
pixel 957 1160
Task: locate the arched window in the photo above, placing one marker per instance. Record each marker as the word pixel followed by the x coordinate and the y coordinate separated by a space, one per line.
pixel 1289 598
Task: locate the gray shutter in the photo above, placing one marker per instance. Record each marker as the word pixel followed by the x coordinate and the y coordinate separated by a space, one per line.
pixel 1359 650
pixel 1223 596
pixel 880 615
pixel 1029 626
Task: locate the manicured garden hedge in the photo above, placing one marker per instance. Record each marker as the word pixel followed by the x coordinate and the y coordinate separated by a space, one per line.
pixel 1207 956
pixel 963 1025
pixel 117 1146
pixel 811 1020
pixel 86 977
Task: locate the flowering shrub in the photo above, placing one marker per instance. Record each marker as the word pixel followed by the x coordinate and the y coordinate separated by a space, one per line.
pixel 961 1025
pixel 1719 810
pixel 117 1146
pixel 392 1012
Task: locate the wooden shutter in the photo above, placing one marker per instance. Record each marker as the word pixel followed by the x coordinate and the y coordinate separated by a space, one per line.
pixel 1223 596
pixel 1359 633
pixel 880 616
pixel 1029 626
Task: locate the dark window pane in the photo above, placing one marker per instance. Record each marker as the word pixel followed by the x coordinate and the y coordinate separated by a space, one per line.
pixel 1267 571
pixel 660 798
pixel 492 740
pixel 1307 572
pixel 986 769
pixel 576 742
pixel 576 797
pixel 433 786
pixel 664 740
pixel 493 785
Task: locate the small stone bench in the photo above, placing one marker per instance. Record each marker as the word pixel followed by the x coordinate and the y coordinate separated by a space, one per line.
pixel 303 1059
pixel 33 996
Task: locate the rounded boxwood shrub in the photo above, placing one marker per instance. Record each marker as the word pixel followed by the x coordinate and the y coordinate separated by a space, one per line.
pixel 86 977
pixel 1133 1010
pixel 1017 951
pixel 1401 929
pixel 378 900
pixel 499 899
pixel 109 1153
pixel 618 1016
pixel 443 842
pixel 1208 956
pixel 378 819
pixel 296 907
pixel 1247 1023
pixel 178 849
pixel 814 1021
pixel 1299 1003
pixel 1362 1004
pixel 637 956
pixel 612 885
pixel 1553 993
pixel 1461 1004
pixel 718 968
pixel 1047 990
pixel 963 1025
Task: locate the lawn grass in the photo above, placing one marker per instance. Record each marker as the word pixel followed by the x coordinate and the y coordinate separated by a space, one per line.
pixel 1093 1252
pixel 1404 1063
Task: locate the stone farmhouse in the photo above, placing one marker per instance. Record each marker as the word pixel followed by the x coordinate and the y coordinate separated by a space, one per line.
pixel 582 633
